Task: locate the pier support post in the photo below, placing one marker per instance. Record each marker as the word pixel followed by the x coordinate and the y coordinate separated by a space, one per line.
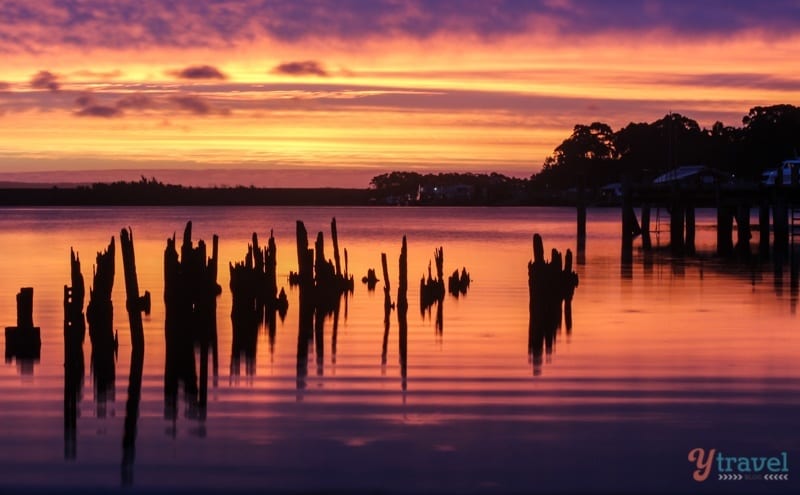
pixel 646 242
pixel 743 234
pixel 763 229
pixel 676 227
pixel 628 220
pixel 581 223
pixel 724 230
pixel 690 229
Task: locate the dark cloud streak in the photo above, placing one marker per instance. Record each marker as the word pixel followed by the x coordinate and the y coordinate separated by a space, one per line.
pixel 200 72
pixel 304 68
pixel 99 111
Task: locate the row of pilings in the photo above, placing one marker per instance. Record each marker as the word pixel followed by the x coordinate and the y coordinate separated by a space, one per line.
pixel 778 218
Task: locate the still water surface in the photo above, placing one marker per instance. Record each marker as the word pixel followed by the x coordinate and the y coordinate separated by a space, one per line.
pixel 662 358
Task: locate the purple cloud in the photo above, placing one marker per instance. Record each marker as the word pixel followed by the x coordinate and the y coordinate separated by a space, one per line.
pixel 199 72
pixel 45 80
pixel 4 86
pixel 99 111
pixel 193 104
pixel 136 102
pixel 304 68
pixel 189 23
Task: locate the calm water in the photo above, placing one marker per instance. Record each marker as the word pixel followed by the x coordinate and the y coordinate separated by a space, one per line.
pixel 666 358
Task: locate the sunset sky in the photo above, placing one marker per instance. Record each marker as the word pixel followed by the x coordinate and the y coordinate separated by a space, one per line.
pixel 311 92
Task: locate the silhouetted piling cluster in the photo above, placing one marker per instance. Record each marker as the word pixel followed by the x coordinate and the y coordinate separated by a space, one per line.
pixel 431 290
pixel 322 284
pixel 190 291
pixel 549 285
pixel 458 284
pixel 254 286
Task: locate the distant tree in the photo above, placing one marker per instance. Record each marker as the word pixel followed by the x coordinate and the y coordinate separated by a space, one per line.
pixel 771 134
pixel 584 156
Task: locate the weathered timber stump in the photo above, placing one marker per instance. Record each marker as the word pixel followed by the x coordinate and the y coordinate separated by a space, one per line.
pixel 24 340
pixel 549 285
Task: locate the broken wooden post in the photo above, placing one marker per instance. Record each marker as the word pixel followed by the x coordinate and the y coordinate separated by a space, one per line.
pixel 100 316
pixel 548 286
pixel 387 307
pixel 24 340
pixel 134 303
pixel 402 312
pixel 335 238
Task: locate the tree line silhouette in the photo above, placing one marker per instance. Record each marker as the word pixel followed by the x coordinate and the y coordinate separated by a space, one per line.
pixel 596 154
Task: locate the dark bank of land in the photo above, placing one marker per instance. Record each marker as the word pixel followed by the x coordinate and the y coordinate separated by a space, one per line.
pixel 397 188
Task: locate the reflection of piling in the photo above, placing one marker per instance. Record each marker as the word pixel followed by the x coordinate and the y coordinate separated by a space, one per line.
pixel 74 331
pixel 548 286
pixel 132 415
pixel 402 312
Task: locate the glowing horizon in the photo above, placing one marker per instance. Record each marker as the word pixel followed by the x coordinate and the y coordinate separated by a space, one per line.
pixel 470 86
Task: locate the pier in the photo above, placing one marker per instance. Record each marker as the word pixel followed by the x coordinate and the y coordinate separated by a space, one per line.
pixel 778 217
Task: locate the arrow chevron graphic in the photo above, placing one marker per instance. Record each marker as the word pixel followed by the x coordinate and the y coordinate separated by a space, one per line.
pixel 776 477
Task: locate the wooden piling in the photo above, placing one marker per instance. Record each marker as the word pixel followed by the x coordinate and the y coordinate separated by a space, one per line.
pixel 548 286
pixel 690 229
pixel 743 233
pixel 134 302
pixel 74 332
pixel 646 241
pixel 627 225
pixel 677 216
pixel 724 230
pixel 763 229
pixel 402 312
pixel 581 210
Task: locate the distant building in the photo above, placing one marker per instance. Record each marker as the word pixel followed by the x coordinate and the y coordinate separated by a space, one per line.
pixel 452 193
pixel 694 175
